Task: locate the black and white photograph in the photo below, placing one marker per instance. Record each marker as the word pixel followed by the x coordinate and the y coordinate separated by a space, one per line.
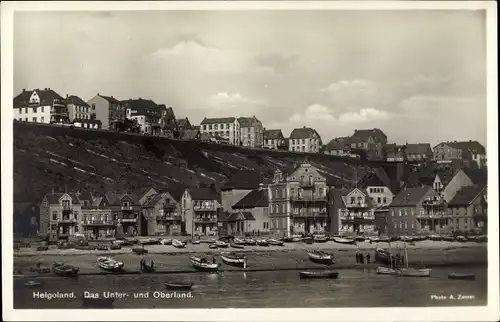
pixel 250 155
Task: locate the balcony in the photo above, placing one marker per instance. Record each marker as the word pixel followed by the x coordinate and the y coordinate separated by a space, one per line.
pixel 205 219
pixel 67 220
pixel 357 205
pixel 204 208
pixel 434 215
pixel 309 214
pixel 296 198
pixel 98 223
pixel 357 219
pixel 126 208
pixel 131 219
pixel 169 217
pixel 58 102
pixel 169 206
pixel 433 204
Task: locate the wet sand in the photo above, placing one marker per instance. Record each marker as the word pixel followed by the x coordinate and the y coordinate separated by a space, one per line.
pixel 169 259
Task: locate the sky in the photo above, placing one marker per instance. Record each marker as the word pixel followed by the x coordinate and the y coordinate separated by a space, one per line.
pixel 419 75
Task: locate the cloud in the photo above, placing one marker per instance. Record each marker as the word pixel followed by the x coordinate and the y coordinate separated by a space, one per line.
pixel 223 98
pixel 280 63
pixel 352 95
pixel 432 105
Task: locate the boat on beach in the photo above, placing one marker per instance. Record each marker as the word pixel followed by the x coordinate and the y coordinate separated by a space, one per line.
pixel 212 246
pixel 275 242
pixel 341 240
pixel 383 256
pixel 320 239
pixel 65 270
pixel 178 285
pixel 250 242
pixel 461 239
pixel 239 246
pixel 32 284
pixel 195 242
pixel 109 264
pixel 320 274
pixel 321 257
pixel 201 264
pixel 178 244
pixel 238 241
pixel 233 259
pixel 462 276
pixel 404 271
pixel 262 242
pixel 221 244
pixel 166 241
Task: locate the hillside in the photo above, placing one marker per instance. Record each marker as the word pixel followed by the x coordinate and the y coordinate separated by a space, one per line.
pixel 50 157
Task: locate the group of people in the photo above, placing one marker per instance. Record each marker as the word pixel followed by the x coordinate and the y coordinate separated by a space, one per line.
pixel 360 258
pixel 143 265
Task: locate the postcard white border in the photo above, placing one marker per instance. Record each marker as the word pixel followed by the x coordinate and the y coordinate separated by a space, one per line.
pixel 490 312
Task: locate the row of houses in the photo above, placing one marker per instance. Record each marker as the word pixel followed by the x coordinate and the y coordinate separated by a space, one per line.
pixel 302 201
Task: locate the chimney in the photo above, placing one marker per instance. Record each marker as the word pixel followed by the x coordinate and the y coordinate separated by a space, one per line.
pixel 24 90
pixel 67 95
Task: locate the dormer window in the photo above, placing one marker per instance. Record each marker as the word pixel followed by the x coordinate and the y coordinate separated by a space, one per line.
pixel 126 204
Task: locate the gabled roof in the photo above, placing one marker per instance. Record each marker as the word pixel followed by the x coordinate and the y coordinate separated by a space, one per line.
pixel 472 146
pixel 143 107
pixel 53 198
pixel 184 122
pixel 477 176
pixel 190 134
pixel 204 194
pixel 255 198
pixel 243 215
pixel 466 195
pixel 75 100
pixel 273 134
pixel 336 196
pixel 141 192
pixel 304 133
pixel 247 121
pixel 418 148
pixel 427 174
pixel 218 120
pixel 115 198
pixel 243 180
pixel 46 96
pixel 337 144
pixel 363 135
pixel 410 196
pixel 110 99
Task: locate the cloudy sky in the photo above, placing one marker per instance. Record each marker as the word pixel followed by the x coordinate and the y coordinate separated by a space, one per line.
pixel 417 75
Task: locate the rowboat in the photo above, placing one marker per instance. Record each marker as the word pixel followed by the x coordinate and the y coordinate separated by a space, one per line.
pixel 178 286
pixel 461 239
pixel 109 264
pixel 386 271
pixel 414 272
pixel 233 245
pixel 166 241
pixel 341 240
pixel 307 240
pixel 221 244
pixel 212 246
pixel 320 239
pixel 115 247
pixel 238 241
pixel 262 242
pixel 250 242
pixel 233 260
pixel 32 283
pixel 65 270
pixel 461 276
pixel 322 274
pixel 358 239
pixel 383 256
pixel 102 247
pixel 482 239
pixel 203 265
pixel 318 256
pixel 296 239
pixel 148 241
pixel 276 242
pixel 178 244
pixel 195 242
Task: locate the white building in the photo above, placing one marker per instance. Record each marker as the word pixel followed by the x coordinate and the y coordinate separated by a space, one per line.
pixel 305 140
pixel 81 114
pixel 252 131
pixel 40 106
pixel 226 127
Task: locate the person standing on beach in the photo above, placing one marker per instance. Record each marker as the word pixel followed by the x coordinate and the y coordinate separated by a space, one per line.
pixel 368 258
pixel 142 264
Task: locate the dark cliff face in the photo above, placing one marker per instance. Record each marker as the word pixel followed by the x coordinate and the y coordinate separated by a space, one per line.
pixel 48 157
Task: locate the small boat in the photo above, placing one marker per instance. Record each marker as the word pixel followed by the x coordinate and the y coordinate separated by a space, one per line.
pixel 414 272
pixel 32 284
pixel 102 247
pixel 115 247
pixel 109 264
pixel 384 239
pixel 98 302
pixel 320 257
pixel 250 242
pixel 65 270
pixel 386 271
pixel 178 286
pixel 482 239
pixel 307 240
pixel 447 238
pixel 461 239
pixel 221 244
pixel 276 242
pixel 178 244
pixel 195 242
pixel 288 239
pixel 340 240
pixel 238 241
pixel 322 274
pixel 296 239
pixel 166 241
pixel 199 258
pixel 358 239
pixel 148 241
pixel 139 250
pixel 320 239
pixel 435 238
pixel 203 265
pixel 212 246
pixel 233 245
pixel 383 256
pixel 461 276
pixel 233 260
pixel 262 242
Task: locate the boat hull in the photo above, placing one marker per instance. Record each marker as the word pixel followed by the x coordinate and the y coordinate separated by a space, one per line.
pixel 65 270
pixel 344 241
pixel 237 246
pixel 320 258
pixel 411 272
pixel 238 262
pixel 461 276
pixel 110 266
pixel 318 275
pixel 382 256
pixel 204 267
pixel 178 286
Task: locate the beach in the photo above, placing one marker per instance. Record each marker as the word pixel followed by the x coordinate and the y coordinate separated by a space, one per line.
pixel 290 256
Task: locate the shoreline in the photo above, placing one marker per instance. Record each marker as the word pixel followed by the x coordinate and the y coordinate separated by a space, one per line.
pixel 277 258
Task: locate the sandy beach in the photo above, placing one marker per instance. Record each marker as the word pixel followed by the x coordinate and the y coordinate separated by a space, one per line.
pixel 169 259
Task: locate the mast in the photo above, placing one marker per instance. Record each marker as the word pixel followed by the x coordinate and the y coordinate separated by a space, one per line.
pixel 390 253
pixel 406 255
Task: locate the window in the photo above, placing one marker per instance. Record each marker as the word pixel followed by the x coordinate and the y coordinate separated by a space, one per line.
pixel 465 220
pixel 321 191
pixel 26 110
pixel 292 191
pixel 412 225
pixel 26 119
pixel 353 200
pixel 54 215
pixel 20 111
pixel 310 180
pixel 34 109
pixel 406 225
pixel 385 200
pixel 378 200
pixel 34 119
pixel 210 127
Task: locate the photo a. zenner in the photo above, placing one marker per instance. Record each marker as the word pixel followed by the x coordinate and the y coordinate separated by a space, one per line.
pixel 241 203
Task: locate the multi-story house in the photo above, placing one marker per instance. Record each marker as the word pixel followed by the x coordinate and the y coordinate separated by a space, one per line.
pixel 250 215
pixel 237 187
pixel 305 140
pixel 81 114
pixel 418 152
pixel 97 217
pixel 372 142
pixel 467 152
pixel 274 140
pixel 147 114
pixel 163 215
pixel 298 202
pixel 468 210
pixel 183 125
pixel 168 122
pixel 200 208
pixel 339 147
pixel 108 110
pixel 60 215
pixel 225 127
pixel 417 210
pixel 125 209
pixel 357 215
pixel 395 152
pixel 252 131
pixel 40 106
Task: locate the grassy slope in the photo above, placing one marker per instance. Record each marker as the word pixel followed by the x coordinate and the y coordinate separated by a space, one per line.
pixel 48 157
